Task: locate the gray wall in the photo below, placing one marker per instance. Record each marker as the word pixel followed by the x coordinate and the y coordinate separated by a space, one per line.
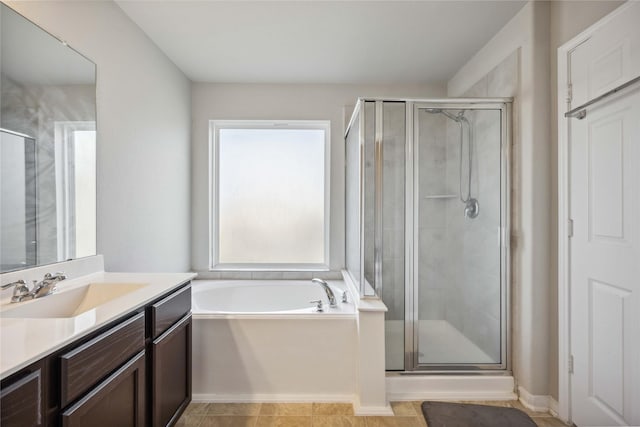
pixel 144 124
pixel 286 102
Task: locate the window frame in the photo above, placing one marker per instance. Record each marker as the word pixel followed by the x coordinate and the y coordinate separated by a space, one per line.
pixel 213 158
pixel 65 185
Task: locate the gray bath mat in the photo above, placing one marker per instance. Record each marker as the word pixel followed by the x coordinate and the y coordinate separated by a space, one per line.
pixel 443 414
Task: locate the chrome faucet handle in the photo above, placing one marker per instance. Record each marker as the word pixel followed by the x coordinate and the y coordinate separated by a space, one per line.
pixel 345 297
pixel 16 283
pixel 20 291
pixel 57 276
pixel 319 307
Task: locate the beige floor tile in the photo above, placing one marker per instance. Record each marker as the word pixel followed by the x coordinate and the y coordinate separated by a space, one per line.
pixel 499 403
pixel 403 409
pixel 417 406
pixel 233 409
pixel 228 421
pixel 190 420
pixel 381 422
pixel 411 421
pixel 548 422
pixel 197 408
pixel 516 404
pixel 337 421
pixel 332 409
pixel 287 421
pixel 286 409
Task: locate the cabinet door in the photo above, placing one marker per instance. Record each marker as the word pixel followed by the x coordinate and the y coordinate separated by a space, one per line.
pixel 21 402
pixel 171 385
pixel 117 401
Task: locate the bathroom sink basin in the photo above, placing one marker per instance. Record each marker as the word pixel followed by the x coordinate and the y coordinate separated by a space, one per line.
pixel 72 303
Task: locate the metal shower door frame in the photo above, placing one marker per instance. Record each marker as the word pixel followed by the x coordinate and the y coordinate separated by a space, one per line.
pixel 412 187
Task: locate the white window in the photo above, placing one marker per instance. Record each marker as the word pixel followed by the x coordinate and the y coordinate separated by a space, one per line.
pixel 75 154
pixel 269 195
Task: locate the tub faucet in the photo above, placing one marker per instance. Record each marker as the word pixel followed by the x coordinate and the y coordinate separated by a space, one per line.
pixel 330 296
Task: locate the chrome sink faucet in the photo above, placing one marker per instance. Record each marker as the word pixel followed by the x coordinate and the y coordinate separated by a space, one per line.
pixel 47 285
pixel 328 291
pixel 40 289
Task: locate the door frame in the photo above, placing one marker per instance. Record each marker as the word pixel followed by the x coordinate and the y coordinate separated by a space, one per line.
pixel 564 212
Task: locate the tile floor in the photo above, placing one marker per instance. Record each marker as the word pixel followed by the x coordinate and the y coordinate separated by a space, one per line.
pixel 407 414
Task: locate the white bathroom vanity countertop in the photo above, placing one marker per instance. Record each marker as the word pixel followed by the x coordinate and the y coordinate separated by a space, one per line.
pixel 25 340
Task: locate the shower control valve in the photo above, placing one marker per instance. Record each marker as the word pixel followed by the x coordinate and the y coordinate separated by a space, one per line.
pixel 319 306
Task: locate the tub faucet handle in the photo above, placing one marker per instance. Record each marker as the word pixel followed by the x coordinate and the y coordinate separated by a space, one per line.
pixel 319 307
pixel 345 297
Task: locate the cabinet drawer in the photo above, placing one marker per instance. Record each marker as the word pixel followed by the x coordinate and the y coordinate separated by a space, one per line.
pixel 117 401
pixel 171 377
pixel 86 365
pixel 169 310
pixel 21 402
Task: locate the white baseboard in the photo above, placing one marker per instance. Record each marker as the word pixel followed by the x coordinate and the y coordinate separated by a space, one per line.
pixel 272 398
pixel 553 406
pixel 536 402
pixel 294 398
pixel 372 411
pixel 450 387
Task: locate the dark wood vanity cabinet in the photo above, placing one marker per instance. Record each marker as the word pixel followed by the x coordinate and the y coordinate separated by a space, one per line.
pixel 135 372
pixel 171 382
pixel 117 401
pixel 21 401
pixel 170 349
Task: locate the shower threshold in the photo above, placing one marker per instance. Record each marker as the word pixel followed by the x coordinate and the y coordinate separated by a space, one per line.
pixel 439 343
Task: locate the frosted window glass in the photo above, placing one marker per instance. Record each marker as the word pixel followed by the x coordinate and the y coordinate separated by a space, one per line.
pixel 85 192
pixel 271 196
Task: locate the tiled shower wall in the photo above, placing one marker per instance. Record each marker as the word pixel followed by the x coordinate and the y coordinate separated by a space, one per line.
pixel 472 248
pixel 459 268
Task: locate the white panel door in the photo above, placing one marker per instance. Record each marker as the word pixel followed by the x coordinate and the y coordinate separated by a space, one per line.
pixel 609 58
pixel 605 248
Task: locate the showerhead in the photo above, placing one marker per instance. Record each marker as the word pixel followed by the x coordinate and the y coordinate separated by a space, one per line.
pixel 457 118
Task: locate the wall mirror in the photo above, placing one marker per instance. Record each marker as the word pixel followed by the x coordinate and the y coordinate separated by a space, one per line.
pixel 47 147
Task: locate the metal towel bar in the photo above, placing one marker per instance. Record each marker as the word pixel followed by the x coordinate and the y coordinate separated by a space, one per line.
pixel 581 111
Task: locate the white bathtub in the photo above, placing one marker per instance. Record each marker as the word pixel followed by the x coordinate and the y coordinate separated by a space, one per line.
pixel 261 340
pixel 237 298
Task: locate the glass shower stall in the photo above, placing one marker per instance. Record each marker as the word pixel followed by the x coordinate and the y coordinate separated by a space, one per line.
pixel 427 228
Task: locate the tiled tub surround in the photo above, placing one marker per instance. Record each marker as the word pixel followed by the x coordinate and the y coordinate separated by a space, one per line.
pixel 25 340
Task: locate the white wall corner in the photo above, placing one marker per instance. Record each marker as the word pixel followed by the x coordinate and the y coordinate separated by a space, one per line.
pixel 553 406
pixel 507 40
pixel 537 403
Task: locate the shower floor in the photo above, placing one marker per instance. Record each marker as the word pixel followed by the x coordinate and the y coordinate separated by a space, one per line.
pixel 439 343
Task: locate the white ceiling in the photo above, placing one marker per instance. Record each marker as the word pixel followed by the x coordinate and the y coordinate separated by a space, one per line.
pixel 320 41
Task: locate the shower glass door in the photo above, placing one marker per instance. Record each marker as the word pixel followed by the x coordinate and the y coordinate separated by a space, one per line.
pixel 460 216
